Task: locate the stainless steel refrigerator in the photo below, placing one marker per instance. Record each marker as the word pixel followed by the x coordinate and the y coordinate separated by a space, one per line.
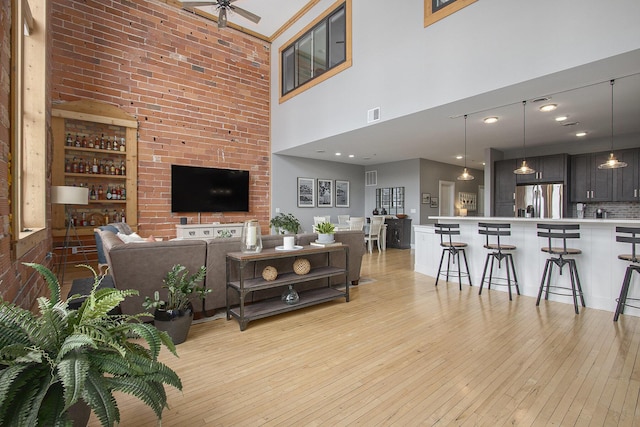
pixel 540 200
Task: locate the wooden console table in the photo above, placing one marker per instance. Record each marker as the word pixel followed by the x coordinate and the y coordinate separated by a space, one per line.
pixel 244 286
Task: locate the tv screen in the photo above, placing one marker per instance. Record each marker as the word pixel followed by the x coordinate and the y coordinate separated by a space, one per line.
pixel 200 189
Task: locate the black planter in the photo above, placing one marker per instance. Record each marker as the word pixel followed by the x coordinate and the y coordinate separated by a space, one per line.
pixel 79 413
pixel 174 322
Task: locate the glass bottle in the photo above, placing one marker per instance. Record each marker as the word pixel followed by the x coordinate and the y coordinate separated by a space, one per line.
pixel 123 169
pixel 115 143
pixel 69 140
pixel 122 145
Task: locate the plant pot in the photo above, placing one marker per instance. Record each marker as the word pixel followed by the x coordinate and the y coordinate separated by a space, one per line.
pixel 325 238
pixel 175 323
pixel 79 413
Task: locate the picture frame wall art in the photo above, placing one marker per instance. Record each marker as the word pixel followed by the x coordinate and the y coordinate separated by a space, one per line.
pixel 342 194
pixel 435 10
pixel 325 193
pixel 426 198
pixel 434 202
pixel 306 192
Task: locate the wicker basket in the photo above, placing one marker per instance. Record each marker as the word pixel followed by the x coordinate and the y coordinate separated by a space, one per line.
pixel 301 266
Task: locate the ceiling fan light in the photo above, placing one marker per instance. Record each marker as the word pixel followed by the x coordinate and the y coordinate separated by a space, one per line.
pixel 524 169
pixel 466 176
pixel 222 18
pixel 612 163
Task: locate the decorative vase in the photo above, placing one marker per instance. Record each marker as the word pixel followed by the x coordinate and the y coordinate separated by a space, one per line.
pixel 174 322
pixel 375 211
pixel 290 296
pixel 251 241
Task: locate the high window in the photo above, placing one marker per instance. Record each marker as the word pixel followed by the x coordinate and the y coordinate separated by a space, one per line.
pixel 318 52
pixel 28 179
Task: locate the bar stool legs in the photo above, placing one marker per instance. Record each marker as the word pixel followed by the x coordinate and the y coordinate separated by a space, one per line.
pixel 622 300
pixel 453 255
pixel 576 287
pixel 510 270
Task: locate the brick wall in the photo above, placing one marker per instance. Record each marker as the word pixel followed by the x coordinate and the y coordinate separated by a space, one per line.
pixel 201 95
pixel 18 284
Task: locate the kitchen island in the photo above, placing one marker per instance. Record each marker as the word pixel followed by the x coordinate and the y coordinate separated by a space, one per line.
pixel 601 272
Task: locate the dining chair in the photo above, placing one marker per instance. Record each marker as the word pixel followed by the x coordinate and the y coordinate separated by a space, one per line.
pixel 374 233
pixel 356 223
pixel 343 219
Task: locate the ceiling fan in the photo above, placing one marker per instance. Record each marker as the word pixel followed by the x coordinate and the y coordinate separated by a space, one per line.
pixel 222 6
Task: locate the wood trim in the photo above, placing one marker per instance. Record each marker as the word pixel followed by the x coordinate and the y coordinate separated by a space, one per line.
pixel 431 17
pixel 93 111
pixel 329 73
pixel 293 19
pixel 28 17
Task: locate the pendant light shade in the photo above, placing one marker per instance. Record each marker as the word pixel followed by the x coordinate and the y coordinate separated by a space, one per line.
pixel 612 162
pixel 524 169
pixel 466 176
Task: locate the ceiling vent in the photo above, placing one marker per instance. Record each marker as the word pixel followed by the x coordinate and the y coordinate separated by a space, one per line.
pixel 373 115
pixel 371 178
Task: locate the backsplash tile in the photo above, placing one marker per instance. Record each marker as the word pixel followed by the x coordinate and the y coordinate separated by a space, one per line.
pixel 614 210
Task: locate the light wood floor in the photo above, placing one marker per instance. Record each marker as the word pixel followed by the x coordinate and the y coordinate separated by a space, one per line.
pixel 404 352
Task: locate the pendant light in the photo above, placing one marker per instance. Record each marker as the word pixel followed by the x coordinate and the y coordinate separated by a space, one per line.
pixel 524 169
pixel 612 162
pixel 466 176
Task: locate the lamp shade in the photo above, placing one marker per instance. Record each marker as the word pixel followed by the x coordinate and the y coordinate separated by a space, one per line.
pixel 68 195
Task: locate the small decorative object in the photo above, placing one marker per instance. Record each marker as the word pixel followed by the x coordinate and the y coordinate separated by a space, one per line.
pixel 251 241
pixel 288 242
pixel 375 211
pixel 285 223
pixel 383 211
pixel 325 231
pixel 290 296
pixel 269 273
pixel 176 313
pixel 301 266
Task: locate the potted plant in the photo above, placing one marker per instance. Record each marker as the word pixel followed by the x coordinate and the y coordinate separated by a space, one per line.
pixel 176 313
pixel 285 224
pixel 52 360
pixel 325 232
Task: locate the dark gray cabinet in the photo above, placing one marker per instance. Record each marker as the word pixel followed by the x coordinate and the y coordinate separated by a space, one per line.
pixel 588 183
pixel 548 169
pixel 626 181
pixel 504 187
pixel 398 233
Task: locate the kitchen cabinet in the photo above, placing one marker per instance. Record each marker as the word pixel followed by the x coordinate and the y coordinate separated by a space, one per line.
pixel 504 188
pixel 626 181
pixel 95 146
pixel 549 169
pixel 398 233
pixel 587 182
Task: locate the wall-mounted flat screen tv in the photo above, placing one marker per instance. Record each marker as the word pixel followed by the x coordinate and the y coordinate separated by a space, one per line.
pixel 201 189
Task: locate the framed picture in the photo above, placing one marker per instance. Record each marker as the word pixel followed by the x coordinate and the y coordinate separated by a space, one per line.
pixel 306 192
pixel 325 193
pixel 435 10
pixel 434 202
pixel 342 194
pixel 426 198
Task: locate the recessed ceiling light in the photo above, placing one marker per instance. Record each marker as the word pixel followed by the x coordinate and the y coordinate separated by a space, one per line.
pixel 351 156
pixel 561 118
pixel 338 154
pixel 490 120
pixel 548 107
pixel 458 157
pixel 579 134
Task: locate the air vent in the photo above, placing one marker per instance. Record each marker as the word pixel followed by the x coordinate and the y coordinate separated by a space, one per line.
pixel 371 178
pixel 570 123
pixel 373 115
pixel 543 99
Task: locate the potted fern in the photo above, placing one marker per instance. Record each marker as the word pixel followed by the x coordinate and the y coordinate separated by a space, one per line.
pixel 176 313
pixel 52 360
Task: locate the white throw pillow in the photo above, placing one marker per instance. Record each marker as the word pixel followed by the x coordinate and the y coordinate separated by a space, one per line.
pixel 130 238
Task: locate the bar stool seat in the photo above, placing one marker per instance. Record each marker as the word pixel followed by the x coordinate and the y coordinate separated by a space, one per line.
pixel 634 239
pixel 555 232
pixel 453 250
pixel 499 251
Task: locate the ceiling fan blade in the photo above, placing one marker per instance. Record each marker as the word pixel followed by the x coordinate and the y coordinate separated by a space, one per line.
pixel 246 14
pixel 191 4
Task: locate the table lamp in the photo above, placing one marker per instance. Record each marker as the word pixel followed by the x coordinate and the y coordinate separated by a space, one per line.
pixel 67 195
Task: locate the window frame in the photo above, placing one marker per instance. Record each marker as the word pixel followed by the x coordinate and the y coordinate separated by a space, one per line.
pixel 309 29
pixel 29 136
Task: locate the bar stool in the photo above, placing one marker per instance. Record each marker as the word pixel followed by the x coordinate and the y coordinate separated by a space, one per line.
pixel 560 232
pixel 634 240
pixel 497 252
pixel 452 249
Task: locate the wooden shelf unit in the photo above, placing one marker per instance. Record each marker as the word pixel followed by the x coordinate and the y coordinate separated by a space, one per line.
pixel 93 119
pixel 244 286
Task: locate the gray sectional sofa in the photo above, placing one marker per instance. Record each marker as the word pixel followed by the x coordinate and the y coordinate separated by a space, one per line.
pixel 143 265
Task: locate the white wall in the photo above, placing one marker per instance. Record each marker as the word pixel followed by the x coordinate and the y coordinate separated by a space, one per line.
pixel 403 68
